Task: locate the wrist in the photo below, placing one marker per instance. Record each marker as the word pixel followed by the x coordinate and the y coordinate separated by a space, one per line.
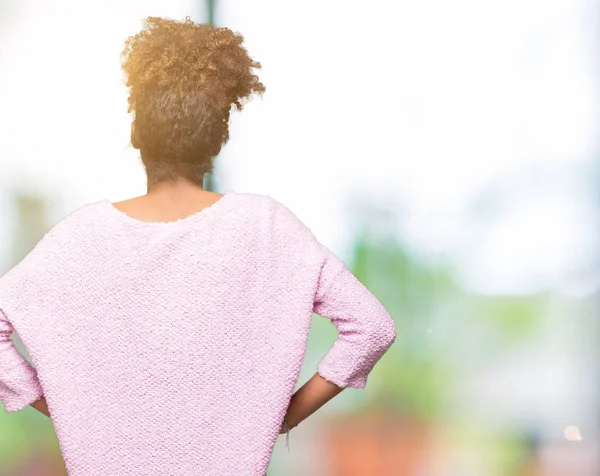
pixel 288 425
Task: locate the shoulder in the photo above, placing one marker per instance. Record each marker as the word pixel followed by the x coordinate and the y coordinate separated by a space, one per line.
pixel 282 229
pixel 273 210
pixel 265 203
pixel 49 246
pixel 70 225
pixel 257 201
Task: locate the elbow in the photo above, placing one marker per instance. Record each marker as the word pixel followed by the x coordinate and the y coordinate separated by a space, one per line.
pixel 382 336
pixel 389 333
pixel 353 355
pixel 377 341
pixel 393 332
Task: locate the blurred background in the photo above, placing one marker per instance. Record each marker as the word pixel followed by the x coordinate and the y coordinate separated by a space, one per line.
pixel 447 151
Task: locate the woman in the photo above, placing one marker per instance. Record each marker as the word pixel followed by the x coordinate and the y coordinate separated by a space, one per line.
pixel 167 331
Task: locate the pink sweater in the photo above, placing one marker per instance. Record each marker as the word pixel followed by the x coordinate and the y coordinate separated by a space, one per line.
pixel 173 348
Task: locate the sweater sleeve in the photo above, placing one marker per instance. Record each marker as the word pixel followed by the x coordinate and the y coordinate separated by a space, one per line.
pixel 19 384
pixel 365 328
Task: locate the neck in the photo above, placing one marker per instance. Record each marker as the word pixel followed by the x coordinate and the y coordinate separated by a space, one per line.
pixel 174 189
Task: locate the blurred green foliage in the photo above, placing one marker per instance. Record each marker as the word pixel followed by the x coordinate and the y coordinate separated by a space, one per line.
pixel 411 377
pixel 516 317
pixel 439 324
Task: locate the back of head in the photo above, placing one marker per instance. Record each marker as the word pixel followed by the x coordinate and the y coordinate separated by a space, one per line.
pixel 183 79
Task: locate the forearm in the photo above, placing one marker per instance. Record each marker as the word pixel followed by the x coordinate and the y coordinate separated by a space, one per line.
pixel 41 406
pixel 309 398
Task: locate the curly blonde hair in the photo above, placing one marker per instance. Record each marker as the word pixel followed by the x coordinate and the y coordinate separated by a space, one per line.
pixel 183 78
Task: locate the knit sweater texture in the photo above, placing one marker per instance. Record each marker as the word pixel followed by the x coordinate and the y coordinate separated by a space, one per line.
pixel 173 348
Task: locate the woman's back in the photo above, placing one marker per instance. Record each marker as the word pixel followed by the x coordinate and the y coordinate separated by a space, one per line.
pixel 174 348
pixel 167 339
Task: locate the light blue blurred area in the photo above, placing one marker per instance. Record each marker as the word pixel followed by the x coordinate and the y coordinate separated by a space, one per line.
pixel 446 151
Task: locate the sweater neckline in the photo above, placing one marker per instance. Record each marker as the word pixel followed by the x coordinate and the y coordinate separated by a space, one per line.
pixel 204 213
